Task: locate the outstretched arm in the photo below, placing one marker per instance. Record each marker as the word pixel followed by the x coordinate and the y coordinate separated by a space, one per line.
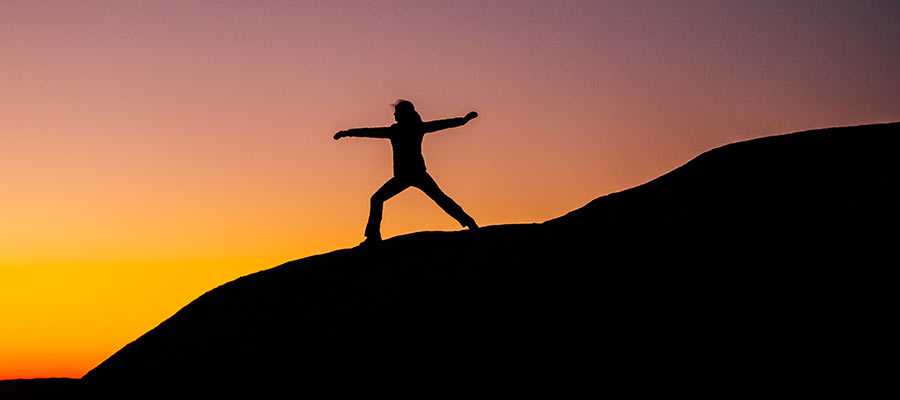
pixel 433 126
pixel 377 133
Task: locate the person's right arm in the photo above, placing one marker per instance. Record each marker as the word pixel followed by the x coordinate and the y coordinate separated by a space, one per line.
pixel 434 126
pixel 377 133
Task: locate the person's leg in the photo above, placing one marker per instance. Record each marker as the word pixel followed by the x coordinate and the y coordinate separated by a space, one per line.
pixel 376 204
pixel 430 187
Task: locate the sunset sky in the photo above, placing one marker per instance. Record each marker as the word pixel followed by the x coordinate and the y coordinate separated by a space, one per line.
pixel 152 150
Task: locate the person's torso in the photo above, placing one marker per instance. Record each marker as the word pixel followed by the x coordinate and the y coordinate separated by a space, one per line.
pixel 406 143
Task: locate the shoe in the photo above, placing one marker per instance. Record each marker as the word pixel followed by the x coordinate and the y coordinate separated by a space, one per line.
pixel 370 241
pixel 472 226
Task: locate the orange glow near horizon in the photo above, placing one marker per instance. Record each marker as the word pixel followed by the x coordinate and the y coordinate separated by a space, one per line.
pixel 151 152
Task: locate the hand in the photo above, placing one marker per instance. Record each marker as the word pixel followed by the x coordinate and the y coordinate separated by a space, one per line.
pixel 340 134
pixel 471 115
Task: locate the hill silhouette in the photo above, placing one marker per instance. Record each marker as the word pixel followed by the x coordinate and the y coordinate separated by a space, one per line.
pixel 757 263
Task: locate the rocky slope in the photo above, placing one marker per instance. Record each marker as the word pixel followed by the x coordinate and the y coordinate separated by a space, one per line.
pixel 761 261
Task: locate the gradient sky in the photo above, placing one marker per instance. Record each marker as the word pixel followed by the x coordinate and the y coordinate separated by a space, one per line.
pixel 150 151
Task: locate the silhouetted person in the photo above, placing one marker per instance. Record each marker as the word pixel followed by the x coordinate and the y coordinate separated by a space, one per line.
pixel 409 166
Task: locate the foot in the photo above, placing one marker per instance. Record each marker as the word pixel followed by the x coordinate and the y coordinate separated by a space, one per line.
pixel 472 226
pixel 370 241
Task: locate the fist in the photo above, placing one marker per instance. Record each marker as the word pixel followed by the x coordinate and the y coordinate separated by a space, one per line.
pixel 471 115
pixel 339 135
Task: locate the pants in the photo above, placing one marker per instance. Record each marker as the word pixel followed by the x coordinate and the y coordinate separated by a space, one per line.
pixel 423 182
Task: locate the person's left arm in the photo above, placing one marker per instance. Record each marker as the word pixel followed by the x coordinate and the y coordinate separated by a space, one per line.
pixel 434 126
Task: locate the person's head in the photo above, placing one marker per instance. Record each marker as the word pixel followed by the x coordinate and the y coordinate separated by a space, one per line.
pixel 405 112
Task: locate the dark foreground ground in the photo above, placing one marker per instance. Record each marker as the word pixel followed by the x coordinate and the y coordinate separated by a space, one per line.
pixel 39 388
pixel 762 266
